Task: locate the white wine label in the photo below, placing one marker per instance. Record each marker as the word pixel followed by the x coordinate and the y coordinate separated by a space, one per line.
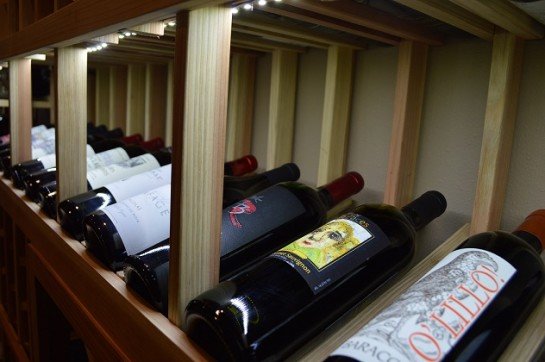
pixel 143 220
pixel 38 129
pixel 48 134
pixel 118 171
pixel 335 249
pixel 51 160
pixel 426 321
pixel 43 148
pixel 107 158
pixel 138 184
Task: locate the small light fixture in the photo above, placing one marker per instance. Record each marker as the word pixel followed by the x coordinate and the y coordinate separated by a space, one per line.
pixel 247 6
pixel 171 23
pixel 104 45
pixel 277 1
pixel 121 36
pixel 133 33
pixel 127 33
pixel 234 10
pixel 262 2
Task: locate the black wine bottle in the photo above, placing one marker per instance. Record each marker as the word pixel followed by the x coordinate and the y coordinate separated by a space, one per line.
pixel 267 311
pixel 72 211
pixel 466 308
pixel 128 227
pixel 251 230
pixel 101 168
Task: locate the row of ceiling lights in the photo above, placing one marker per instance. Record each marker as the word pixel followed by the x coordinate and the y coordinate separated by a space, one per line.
pixel 250 6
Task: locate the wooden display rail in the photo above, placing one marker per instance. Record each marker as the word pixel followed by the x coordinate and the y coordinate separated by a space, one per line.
pixel 113 322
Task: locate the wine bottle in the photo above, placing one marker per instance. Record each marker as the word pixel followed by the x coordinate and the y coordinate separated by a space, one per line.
pixel 73 210
pixel 5 139
pixel 142 221
pixel 108 151
pixel 267 311
pixel 467 307
pixel 101 168
pixel 251 230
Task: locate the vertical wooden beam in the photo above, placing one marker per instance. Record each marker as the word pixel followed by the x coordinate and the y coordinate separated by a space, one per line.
pixel 202 52
pixel 408 100
pixel 91 96
pixel 136 98
pixel 20 108
pixel 336 114
pixel 155 104
pixel 281 107
pixel 102 90
pixel 118 96
pixel 169 104
pixel 71 129
pixel 240 109
pixel 499 125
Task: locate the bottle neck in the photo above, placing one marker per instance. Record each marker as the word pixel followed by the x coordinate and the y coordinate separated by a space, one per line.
pixel 341 189
pixel 532 230
pixel 425 208
pixel 241 166
pixel 284 173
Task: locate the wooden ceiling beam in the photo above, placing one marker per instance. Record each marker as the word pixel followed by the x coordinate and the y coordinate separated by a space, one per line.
pixel 331 23
pixel 454 15
pixel 240 29
pixel 263 44
pixel 370 17
pixel 155 28
pixel 268 26
pixel 505 15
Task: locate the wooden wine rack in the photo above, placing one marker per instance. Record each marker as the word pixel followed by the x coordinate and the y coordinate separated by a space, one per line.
pixel 52 289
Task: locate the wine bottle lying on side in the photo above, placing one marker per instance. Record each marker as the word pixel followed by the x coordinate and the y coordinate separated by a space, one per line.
pixel 267 311
pixel 467 307
pixel 131 226
pixel 73 210
pixel 251 230
pixel 118 156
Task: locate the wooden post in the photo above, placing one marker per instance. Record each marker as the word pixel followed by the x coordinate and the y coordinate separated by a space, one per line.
pixel 71 130
pixel 118 96
pixel 155 100
pixel 20 108
pixel 409 97
pixel 281 107
pixel 169 104
pixel 201 74
pixel 136 98
pixel 91 96
pixel 102 89
pixel 336 113
pixel 240 109
pixel 499 125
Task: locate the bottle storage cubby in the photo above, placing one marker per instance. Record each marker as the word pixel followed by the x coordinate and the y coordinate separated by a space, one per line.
pixel 290 81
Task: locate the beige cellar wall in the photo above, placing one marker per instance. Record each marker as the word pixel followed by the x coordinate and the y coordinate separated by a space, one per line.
pixel 451 128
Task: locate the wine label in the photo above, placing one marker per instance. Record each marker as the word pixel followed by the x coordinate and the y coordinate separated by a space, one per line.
pixel 48 134
pixel 143 220
pixel 37 129
pixel 426 321
pixel 107 158
pixel 255 216
pixel 105 175
pixel 332 251
pixel 43 148
pixel 138 184
pixel 51 160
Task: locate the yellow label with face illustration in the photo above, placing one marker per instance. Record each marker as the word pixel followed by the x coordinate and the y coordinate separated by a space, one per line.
pixel 333 250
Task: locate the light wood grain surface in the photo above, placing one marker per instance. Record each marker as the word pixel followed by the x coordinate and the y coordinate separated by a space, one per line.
pixel 505 15
pixel 118 96
pixel 169 103
pixel 102 97
pixel 196 264
pixel 336 113
pixel 155 100
pixel 499 127
pixel 136 98
pixel 240 110
pixel 20 100
pixel 408 101
pixel 281 108
pixel 71 129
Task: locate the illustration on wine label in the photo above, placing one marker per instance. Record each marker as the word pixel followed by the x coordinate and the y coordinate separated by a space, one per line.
pixel 244 207
pixel 426 321
pixel 341 239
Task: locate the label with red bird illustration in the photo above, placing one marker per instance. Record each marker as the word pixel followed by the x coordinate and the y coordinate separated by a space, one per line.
pixel 257 215
pixel 426 321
